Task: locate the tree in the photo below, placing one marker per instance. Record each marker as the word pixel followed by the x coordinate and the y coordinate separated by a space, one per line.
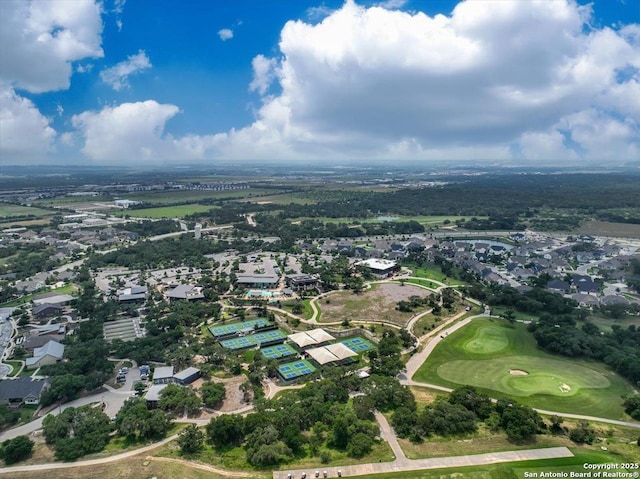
pixel 213 394
pixel 520 422
pixel 190 440
pixel 264 448
pixel 226 430
pixel 135 420
pixel 178 399
pixel 77 431
pixel 8 416
pixel 471 399
pixel 583 434
pixel 16 449
pixel 556 424
pixel 360 445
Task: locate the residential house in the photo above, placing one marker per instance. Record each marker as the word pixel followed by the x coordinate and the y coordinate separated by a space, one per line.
pixel 22 390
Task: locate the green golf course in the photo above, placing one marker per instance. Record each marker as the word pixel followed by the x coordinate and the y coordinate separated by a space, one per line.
pixel 503 360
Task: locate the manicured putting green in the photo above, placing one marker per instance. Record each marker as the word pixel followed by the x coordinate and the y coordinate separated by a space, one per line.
pixel 490 339
pixel 505 374
pixel 503 360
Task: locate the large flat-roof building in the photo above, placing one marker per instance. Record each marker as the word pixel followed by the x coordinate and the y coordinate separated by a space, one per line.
pixel 263 273
pixel 380 268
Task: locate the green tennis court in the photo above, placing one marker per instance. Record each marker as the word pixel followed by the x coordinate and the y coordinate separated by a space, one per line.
pixel 235 328
pixel 295 369
pixel 278 351
pixel 357 344
pixel 258 339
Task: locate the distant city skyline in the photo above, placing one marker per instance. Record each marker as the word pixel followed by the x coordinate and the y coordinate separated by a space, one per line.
pixel 135 83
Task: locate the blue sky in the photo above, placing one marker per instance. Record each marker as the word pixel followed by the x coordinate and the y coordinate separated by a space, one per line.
pixel 121 82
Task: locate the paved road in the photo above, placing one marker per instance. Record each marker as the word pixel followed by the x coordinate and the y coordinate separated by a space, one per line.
pixel 432 463
pixel 114 399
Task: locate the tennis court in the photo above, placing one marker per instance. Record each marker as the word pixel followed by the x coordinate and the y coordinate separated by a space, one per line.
pixel 277 352
pixel 357 344
pixel 235 328
pixel 258 339
pixel 295 369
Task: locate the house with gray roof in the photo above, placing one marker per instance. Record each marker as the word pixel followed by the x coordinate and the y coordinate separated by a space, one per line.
pixel 50 353
pixel 22 390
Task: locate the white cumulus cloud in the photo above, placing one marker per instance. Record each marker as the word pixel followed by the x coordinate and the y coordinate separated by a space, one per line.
pixel 128 132
pixel 225 34
pixel 499 79
pixel 40 39
pixel 25 134
pixel 368 81
pixel 117 76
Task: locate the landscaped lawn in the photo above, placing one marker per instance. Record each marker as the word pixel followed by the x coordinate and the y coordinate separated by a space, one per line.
pixel 503 360
pixel 432 271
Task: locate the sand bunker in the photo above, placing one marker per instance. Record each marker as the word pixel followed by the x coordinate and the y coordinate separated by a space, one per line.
pixel 565 388
pixel 518 372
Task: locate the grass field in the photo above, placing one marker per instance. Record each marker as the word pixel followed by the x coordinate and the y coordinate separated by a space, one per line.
pixel 503 361
pixel 187 196
pixel 431 271
pixel 137 467
pixel 19 215
pixel 166 211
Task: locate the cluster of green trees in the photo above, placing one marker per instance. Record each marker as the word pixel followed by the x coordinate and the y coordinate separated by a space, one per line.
pixel 412 303
pixel 619 349
pixel 302 422
pixel 632 406
pixel 85 366
pixel 136 421
pixel 27 259
pixel 535 301
pixel 76 432
pixel 183 250
pixel 545 202
pixel 277 225
pixel 16 449
pixel 460 414
pixel 152 228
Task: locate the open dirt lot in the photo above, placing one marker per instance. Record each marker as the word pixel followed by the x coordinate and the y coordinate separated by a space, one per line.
pixel 377 303
pixel 233 399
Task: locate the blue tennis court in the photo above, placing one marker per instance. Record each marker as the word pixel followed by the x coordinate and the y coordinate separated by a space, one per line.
pixel 296 369
pixel 252 340
pixel 358 344
pixel 235 328
pixel 277 352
